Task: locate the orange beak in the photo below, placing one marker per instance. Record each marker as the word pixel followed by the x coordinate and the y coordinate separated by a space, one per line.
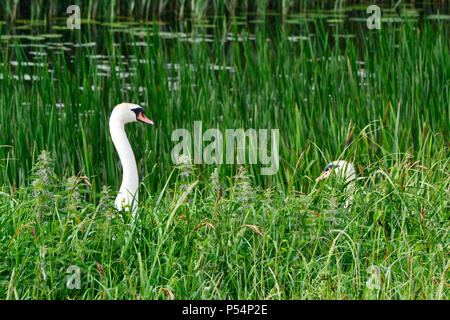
pixel 141 117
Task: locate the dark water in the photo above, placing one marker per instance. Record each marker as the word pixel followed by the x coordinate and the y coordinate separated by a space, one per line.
pixel 40 38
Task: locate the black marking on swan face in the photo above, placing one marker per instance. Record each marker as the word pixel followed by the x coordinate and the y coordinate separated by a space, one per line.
pixel 138 111
pixel 328 167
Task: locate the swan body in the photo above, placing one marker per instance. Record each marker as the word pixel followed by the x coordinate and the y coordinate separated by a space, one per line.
pixel 342 169
pixel 124 113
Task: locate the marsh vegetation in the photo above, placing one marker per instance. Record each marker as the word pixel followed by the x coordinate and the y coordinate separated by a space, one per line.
pixel 333 88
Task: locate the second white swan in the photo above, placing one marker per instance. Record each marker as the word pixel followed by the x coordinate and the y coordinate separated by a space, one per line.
pixel 345 170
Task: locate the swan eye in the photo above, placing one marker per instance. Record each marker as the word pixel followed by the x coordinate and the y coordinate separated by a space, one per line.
pixel 328 167
pixel 138 111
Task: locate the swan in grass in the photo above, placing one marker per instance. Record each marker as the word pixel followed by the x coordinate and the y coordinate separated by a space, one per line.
pixel 339 168
pixel 344 170
pixel 122 114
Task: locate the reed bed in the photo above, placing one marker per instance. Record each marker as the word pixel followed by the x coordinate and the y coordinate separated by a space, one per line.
pixel 378 99
pixel 184 9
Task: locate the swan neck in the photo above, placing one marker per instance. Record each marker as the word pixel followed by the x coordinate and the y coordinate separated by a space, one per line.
pixel 130 178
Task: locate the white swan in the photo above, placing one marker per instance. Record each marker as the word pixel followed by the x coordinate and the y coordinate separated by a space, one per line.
pixel 339 168
pixel 125 113
pixel 342 169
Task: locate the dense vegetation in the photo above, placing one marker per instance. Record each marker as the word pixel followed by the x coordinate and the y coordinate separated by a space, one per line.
pixel 376 98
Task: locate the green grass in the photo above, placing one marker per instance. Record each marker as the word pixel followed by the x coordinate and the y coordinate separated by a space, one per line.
pixel 240 243
pixel 224 232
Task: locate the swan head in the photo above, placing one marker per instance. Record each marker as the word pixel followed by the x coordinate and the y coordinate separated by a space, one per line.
pixel 339 168
pixel 129 112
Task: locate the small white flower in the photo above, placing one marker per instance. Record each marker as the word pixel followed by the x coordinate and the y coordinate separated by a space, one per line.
pixel 183 159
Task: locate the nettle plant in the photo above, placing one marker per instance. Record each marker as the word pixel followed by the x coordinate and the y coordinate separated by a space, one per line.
pixel 52 195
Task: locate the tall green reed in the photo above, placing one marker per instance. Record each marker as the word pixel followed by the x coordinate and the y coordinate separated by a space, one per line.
pixel 320 96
